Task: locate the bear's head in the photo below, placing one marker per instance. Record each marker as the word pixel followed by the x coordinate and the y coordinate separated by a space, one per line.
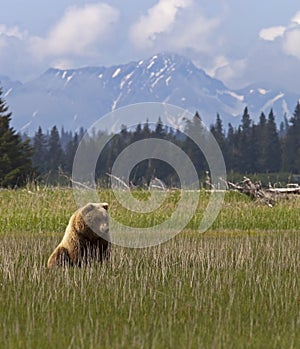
pixel 92 220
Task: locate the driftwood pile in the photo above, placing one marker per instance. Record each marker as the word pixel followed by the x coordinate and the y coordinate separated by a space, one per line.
pixel 267 196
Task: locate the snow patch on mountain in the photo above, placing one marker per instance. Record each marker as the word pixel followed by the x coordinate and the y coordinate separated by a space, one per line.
pixel 116 73
pixel 235 95
pixel 285 107
pixel 168 80
pixel 125 80
pixel 6 94
pixel 262 91
pixel 273 100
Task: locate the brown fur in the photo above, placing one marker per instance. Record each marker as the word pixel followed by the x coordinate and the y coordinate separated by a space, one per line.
pixel 86 238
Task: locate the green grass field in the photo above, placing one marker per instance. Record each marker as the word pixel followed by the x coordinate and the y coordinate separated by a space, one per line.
pixel 236 286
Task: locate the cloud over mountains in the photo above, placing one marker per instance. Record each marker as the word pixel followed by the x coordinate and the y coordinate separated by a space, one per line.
pixel 106 33
pixel 77 31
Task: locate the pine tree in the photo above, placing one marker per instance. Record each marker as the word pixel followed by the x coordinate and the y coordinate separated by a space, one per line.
pixel 260 144
pixel 143 171
pixel 158 168
pixel 232 154
pixel 273 147
pixel 39 157
pixel 69 154
pixel 218 133
pixel 194 130
pixel 146 130
pixel 291 144
pixel 138 133
pixel 15 154
pixel 247 153
pixel 159 129
pixel 55 154
pixel 284 126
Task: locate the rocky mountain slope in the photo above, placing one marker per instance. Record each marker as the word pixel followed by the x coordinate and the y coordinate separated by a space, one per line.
pixel 78 97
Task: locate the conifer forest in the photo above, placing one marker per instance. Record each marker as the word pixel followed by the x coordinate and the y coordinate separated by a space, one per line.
pixel 261 147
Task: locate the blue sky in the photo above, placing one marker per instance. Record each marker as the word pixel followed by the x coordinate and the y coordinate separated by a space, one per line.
pixel 238 41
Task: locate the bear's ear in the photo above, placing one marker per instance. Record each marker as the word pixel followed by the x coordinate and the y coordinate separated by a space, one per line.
pixel 105 205
pixel 87 208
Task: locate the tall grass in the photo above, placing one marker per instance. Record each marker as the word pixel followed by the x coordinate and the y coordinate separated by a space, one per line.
pixel 48 210
pixel 237 286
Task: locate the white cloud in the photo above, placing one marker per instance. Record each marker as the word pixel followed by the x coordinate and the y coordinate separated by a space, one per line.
pixel 289 35
pixel 62 64
pixel 78 38
pixel 195 32
pixel 15 58
pixel 77 31
pixel 296 18
pixel 291 42
pixel 11 32
pixel 159 19
pixel 232 72
pixel 272 61
pixel 267 63
pixel 217 63
pixel 179 26
pixel 9 36
pixel 270 34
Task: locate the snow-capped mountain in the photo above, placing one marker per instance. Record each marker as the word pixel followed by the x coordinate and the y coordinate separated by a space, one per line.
pixel 78 97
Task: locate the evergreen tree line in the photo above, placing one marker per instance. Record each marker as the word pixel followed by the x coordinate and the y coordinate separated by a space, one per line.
pixel 261 147
pixel 53 153
pixel 249 148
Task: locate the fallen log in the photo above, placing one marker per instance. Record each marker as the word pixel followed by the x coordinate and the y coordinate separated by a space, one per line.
pixel 253 190
pixel 284 190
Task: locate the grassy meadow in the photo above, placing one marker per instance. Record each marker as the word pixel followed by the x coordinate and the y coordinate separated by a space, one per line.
pixel 236 286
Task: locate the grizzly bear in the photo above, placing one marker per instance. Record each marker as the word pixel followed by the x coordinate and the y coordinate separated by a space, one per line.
pixel 86 238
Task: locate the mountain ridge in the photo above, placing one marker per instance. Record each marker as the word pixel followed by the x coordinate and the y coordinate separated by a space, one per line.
pixel 74 98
